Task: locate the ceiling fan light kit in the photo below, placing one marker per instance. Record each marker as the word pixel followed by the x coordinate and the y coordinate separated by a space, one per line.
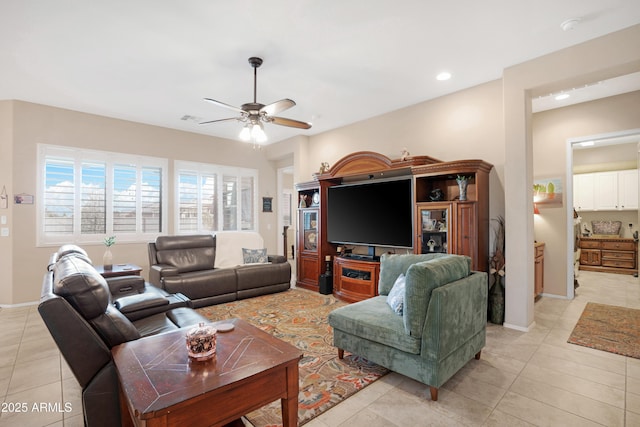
pixel 254 115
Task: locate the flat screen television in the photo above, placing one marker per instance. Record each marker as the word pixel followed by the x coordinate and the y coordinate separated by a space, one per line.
pixel 376 213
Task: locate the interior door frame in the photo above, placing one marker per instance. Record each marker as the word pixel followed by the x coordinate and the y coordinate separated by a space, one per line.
pixel 624 136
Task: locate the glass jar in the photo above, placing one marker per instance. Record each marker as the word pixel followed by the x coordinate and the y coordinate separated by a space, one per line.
pixel 201 342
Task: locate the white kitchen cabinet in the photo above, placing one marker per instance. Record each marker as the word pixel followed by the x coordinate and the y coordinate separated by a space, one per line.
pixel 583 192
pixel 628 189
pixel 606 191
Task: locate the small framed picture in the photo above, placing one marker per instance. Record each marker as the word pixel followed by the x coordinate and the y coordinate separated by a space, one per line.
pixel 267 204
pixel 23 199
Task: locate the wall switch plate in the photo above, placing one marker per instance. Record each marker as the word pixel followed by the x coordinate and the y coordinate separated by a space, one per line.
pixel 3 219
pixel 4 232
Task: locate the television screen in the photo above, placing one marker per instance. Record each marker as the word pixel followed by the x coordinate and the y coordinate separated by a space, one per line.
pixel 377 213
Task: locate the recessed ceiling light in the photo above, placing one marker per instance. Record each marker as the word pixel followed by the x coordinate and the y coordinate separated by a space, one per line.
pixel 562 96
pixel 443 76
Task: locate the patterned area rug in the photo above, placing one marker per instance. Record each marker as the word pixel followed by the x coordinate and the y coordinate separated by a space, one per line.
pixel 299 317
pixel 609 328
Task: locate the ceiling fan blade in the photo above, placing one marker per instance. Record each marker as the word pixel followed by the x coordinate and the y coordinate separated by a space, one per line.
pixel 290 122
pixel 277 107
pixel 222 104
pixel 219 120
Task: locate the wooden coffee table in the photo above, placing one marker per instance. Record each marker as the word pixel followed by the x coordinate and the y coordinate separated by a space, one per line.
pixel 161 386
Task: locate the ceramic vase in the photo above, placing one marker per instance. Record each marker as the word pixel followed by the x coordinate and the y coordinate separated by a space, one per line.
pixel 107 259
pixel 462 185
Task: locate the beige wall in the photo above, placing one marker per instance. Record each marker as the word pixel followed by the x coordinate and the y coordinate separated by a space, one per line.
pixel 551 130
pixel 607 158
pixel 464 125
pixel 33 124
pixel 605 57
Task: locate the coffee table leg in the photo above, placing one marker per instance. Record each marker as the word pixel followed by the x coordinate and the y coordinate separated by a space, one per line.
pixel 290 404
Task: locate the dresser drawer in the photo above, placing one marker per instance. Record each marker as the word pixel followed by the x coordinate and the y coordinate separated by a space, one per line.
pixel 589 244
pixel 620 246
pixel 629 255
pixel 618 263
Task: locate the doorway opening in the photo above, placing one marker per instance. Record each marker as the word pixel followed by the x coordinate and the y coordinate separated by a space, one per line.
pixel 615 151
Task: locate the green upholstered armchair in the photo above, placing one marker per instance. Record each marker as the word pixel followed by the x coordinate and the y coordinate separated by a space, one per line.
pixel 441 327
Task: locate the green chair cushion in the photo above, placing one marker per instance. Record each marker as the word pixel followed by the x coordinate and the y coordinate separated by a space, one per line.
pixel 374 320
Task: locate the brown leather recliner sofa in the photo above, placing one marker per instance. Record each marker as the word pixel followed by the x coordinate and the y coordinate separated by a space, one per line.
pixel 85 320
pixel 209 269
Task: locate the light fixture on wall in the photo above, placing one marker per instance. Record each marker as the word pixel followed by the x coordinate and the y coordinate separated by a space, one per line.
pixel 254 115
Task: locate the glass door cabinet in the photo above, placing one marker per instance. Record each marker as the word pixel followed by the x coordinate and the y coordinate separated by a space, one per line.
pixel 310 230
pixel 433 225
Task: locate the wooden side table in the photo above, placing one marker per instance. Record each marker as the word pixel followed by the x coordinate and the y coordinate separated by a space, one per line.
pixel 119 270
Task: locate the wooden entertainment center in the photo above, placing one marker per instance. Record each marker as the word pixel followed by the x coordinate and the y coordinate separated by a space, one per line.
pixel 442 222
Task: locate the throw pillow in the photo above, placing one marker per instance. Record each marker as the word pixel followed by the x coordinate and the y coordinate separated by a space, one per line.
pixel 395 299
pixel 254 256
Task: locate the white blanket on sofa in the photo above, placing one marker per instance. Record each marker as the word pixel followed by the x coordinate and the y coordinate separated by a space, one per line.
pixel 229 246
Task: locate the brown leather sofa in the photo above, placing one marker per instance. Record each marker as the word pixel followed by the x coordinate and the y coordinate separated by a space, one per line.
pixel 186 265
pixel 83 318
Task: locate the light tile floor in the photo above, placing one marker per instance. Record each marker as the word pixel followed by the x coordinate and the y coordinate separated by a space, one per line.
pixel 523 379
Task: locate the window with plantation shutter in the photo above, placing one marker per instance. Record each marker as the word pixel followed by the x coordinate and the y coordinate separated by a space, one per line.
pixel 88 195
pixel 93 198
pixel 214 197
pixel 197 202
pixel 59 197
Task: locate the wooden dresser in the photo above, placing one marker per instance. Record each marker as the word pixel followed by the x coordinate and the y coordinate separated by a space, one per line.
pixel 609 255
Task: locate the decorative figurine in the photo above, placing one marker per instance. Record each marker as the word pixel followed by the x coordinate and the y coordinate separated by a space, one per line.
pixel 324 167
pixel 405 154
pixel 303 201
pixel 436 195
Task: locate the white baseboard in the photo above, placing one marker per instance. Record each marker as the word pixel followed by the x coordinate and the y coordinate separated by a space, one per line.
pixel 520 328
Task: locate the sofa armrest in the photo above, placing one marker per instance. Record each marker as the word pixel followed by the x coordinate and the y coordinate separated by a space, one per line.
pixel 457 312
pixel 158 271
pixel 125 285
pixel 139 302
pixel 276 259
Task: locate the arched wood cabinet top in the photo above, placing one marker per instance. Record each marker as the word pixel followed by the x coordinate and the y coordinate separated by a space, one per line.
pixel 366 162
pixel 459 167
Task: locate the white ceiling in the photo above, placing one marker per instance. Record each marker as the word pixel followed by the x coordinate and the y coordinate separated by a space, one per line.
pixel 153 61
